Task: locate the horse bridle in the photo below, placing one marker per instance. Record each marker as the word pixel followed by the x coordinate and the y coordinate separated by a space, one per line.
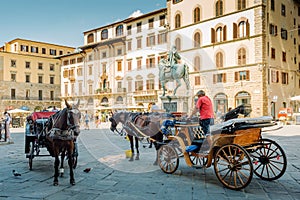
pixel 69 124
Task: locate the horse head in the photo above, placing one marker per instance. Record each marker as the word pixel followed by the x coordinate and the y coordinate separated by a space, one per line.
pixel 73 117
pixel 118 117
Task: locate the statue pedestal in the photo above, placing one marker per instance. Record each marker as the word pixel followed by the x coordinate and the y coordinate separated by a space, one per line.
pixel 175 103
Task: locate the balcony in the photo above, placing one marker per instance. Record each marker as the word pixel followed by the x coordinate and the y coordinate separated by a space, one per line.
pixel 102 91
pixel 145 93
pixel 121 90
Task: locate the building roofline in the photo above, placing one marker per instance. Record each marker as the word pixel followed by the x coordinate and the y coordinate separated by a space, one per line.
pixel 16 39
pixel 130 19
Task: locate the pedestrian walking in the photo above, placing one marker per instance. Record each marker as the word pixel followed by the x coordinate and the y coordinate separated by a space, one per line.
pixel 87 120
pixel 7 120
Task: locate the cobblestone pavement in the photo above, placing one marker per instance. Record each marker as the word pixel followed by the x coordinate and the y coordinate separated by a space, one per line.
pixel 113 177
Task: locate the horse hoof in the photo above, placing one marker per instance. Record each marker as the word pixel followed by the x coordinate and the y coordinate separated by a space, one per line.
pixel 62 175
pixel 131 159
pixel 55 183
pixel 72 183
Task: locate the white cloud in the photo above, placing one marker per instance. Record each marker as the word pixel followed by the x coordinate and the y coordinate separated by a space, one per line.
pixel 136 13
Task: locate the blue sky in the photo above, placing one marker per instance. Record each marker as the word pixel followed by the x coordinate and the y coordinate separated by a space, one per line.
pixel 64 21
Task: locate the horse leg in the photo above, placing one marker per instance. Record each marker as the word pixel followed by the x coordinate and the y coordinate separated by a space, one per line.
pixel 187 83
pixel 158 138
pixel 70 161
pixel 164 88
pixel 56 164
pixel 178 84
pixel 62 158
pixel 137 148
pixel 131 146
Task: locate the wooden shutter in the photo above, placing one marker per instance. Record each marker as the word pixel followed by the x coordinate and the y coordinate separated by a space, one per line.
pixel 224 77
pixel 234 30
pixel 213 35
pixel 248 75
pixel 247 29
pixel 236 76
pixel 214 78
pixel 224 33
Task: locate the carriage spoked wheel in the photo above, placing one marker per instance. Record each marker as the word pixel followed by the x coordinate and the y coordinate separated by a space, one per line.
pixel 168 159
pixel 233 166
pixel 269 160
pixel 197 160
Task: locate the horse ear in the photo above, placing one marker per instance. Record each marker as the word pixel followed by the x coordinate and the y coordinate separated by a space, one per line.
pixel 67 104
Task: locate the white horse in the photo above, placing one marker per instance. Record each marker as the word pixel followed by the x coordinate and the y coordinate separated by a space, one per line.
pixel 176 72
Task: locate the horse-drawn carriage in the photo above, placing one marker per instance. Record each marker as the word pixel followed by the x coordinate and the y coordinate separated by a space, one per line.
pixel 235 148
pixel 57 132
pixel 35 136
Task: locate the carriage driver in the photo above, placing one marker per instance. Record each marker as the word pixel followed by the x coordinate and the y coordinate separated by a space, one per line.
pixel 205 108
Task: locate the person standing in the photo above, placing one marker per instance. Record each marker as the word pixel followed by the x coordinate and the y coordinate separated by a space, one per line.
pixel 87 120
pixel 7 120
pixel 205 108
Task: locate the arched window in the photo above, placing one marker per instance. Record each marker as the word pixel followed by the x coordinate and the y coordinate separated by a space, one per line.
pixel 196 14
pixel 242 56
pixel 243 29
pixel 243 98
pixel 104 34
pixel 90 101
pixel 178 44
pixel 197 40
pixel 219 8
pixel 241 4
pixel 119 99
pixel 104 100
pixel 219 60
pixel 197 63
pixel 221 104
pixel 177 21
pixel 119 30
pixel 219 34
pixel 90 38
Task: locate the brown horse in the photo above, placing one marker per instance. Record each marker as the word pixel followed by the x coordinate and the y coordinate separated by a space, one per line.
pixel 138 126
pixel 63 129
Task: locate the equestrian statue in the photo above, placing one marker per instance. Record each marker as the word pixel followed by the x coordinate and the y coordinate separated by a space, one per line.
pixel 170 70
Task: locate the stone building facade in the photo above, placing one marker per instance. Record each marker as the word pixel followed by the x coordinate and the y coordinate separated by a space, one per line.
pixel 30 74
pixel 240 51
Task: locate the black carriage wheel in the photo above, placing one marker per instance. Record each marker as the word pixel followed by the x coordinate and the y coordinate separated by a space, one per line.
pixel 31 154
pixel 168 159
pixel 269 160
pixel 233 166
pixel 197 160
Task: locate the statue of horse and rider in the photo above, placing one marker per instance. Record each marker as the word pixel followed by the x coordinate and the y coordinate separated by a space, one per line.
pixel 170 70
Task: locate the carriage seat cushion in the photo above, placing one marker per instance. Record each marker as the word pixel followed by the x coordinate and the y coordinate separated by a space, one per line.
pixel 192 148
